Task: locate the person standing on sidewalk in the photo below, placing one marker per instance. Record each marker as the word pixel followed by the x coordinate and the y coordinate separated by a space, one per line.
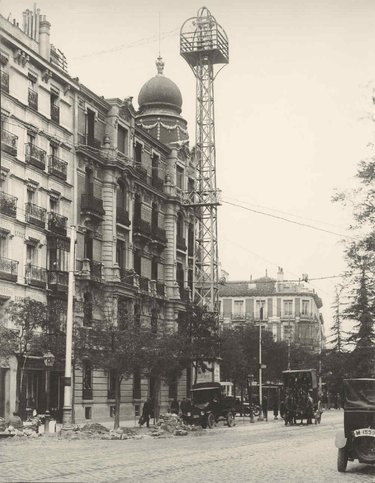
pixel 146 412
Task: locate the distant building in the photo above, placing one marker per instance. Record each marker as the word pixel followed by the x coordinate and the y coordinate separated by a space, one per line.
pixel 288 309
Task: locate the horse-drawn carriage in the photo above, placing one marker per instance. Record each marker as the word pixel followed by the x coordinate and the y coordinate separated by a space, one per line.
pixel 301 397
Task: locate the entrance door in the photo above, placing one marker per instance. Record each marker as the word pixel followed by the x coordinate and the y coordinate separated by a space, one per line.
pixel 57 395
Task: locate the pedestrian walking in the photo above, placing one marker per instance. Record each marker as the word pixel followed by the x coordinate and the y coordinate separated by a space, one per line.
pixel 265 406
pixel 146 413
pixel 275 408
pixel 183 406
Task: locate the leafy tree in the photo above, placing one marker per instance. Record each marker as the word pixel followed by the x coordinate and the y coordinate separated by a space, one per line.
pixel 199 335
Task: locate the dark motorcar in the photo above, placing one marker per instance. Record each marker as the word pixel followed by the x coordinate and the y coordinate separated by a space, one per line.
pixel 209 405
pixel 357 439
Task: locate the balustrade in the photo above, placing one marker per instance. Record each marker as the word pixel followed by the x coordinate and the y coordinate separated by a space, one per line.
pixel 92 205
pixel 144 283
pixel 58 280
pixel 35 215
pixel 35 156
pixel 57 223
pixel 57 167
pixel 8 204
pixel 9 142
pixel 36 275
pixel 8 269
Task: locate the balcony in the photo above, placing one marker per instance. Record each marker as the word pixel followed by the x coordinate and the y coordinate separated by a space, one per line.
pixel 9 142
pixel 57 223
pixel 185 294
pixel 35 156
pixel 36 276
pixel 55 113
pixel 128 276
pixel 122 216
pixel 181 243
pixel 57 167
pixel 160 289
pixel 87 140
pixel 8 269
pixel 35 215
pixel 4 81
pixel 8 205
pixel 142 228
pixel 92 206
pixel 157 183
pixel 144 283
pixel 33 99
pixel 96 271
pixel 58 281
pixel 142 172
pixel 158 235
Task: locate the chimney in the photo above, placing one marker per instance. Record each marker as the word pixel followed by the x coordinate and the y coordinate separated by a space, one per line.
pixel 280 274
pixel 44 31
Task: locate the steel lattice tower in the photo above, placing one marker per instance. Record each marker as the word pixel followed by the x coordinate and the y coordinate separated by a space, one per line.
pixel 204 46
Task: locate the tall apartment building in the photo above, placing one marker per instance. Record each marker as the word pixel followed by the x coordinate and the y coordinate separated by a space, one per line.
pixel 71 157
pixel 290 310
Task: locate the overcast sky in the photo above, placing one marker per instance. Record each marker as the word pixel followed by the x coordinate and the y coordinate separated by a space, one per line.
pixel 291 109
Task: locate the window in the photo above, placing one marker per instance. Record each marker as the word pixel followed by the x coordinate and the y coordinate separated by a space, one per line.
pixel 260 309
pixel 120 253
pixel 90 127
pixel 88 412
pixel 180 225
pixel 89 182
pixel 31 255
pixel 3 251
pixel 154 269
pixel 137 384
pixel 86 380
pixel 87 309
pixel 121 195
pixel 137 208
pixel 138 152
pixel 88 246
pixel 238 308
pixel 54 106
pixel 305 307
pixel 53 149
pixel 288 307
pixel 191 240
pixel 30 138
pixel 180 275
pixel 122 139
pixel 33 94
pixel 180 177
pixel 155 166
pixel 190 279
pixel 154 217
pixel 191 185
pixel 137 263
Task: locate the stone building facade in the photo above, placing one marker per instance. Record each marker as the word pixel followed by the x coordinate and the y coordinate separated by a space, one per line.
pixel 69 157
pixel 289 309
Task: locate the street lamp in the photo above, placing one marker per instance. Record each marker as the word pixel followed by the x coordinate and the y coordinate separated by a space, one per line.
pixel 250 379
pixel 260 362
pixel 49 360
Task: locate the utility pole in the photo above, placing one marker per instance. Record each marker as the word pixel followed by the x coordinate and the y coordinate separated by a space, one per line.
pixel 260 364
pixel 67 410
pixel 289 342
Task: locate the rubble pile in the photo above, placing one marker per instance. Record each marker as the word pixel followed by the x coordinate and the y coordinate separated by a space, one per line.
pixel 171 424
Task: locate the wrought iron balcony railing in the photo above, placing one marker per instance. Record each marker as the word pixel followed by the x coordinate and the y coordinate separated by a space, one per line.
pixel 181 243
pixel 4 81
pixel 35 156
pixel 9 142
pixel 57 167
pixel 91 205
pixel 55 113
pixel 142 227
pixel 33 99
pixel 159 234
pixel 144 283
pixel 8 269
pixel 8 204
pixel 122 216
pixel 36 215
pixel 36 276
pixel 157 182
pixel 57 223
pixel 58 280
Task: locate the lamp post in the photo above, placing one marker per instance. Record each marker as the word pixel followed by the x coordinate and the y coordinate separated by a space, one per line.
pixel 49 360
pixel 288 342
pixel 260 418
pixel 250 379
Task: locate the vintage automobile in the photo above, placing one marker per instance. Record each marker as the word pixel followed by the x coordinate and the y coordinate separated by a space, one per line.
pixel 357 439
pixel 301 399
pixel 209 404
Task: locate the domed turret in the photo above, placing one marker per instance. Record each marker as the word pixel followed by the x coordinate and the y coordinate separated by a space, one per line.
pixel 160 102
pixel 160 91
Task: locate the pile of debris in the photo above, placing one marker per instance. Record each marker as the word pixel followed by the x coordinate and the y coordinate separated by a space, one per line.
pixel 171 424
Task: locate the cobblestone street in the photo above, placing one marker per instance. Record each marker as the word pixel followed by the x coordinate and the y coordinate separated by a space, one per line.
pixel 260 452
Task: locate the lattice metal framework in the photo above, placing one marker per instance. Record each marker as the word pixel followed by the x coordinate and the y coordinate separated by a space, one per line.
pixel 204 46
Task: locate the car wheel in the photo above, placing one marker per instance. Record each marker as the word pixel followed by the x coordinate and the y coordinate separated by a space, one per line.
pixel 211 421
pixel 230 419
pixel 256 412
pixel 365 449
pixel 342 460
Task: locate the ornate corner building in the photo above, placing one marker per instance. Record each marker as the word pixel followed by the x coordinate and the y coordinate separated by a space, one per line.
pixel 289 309
pixel 71 157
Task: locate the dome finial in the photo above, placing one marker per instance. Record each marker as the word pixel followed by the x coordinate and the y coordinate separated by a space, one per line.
pixel 160 65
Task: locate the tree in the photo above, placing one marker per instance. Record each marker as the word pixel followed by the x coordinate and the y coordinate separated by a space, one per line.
pixel 34 329
pixel 337 335
pixel 199 335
